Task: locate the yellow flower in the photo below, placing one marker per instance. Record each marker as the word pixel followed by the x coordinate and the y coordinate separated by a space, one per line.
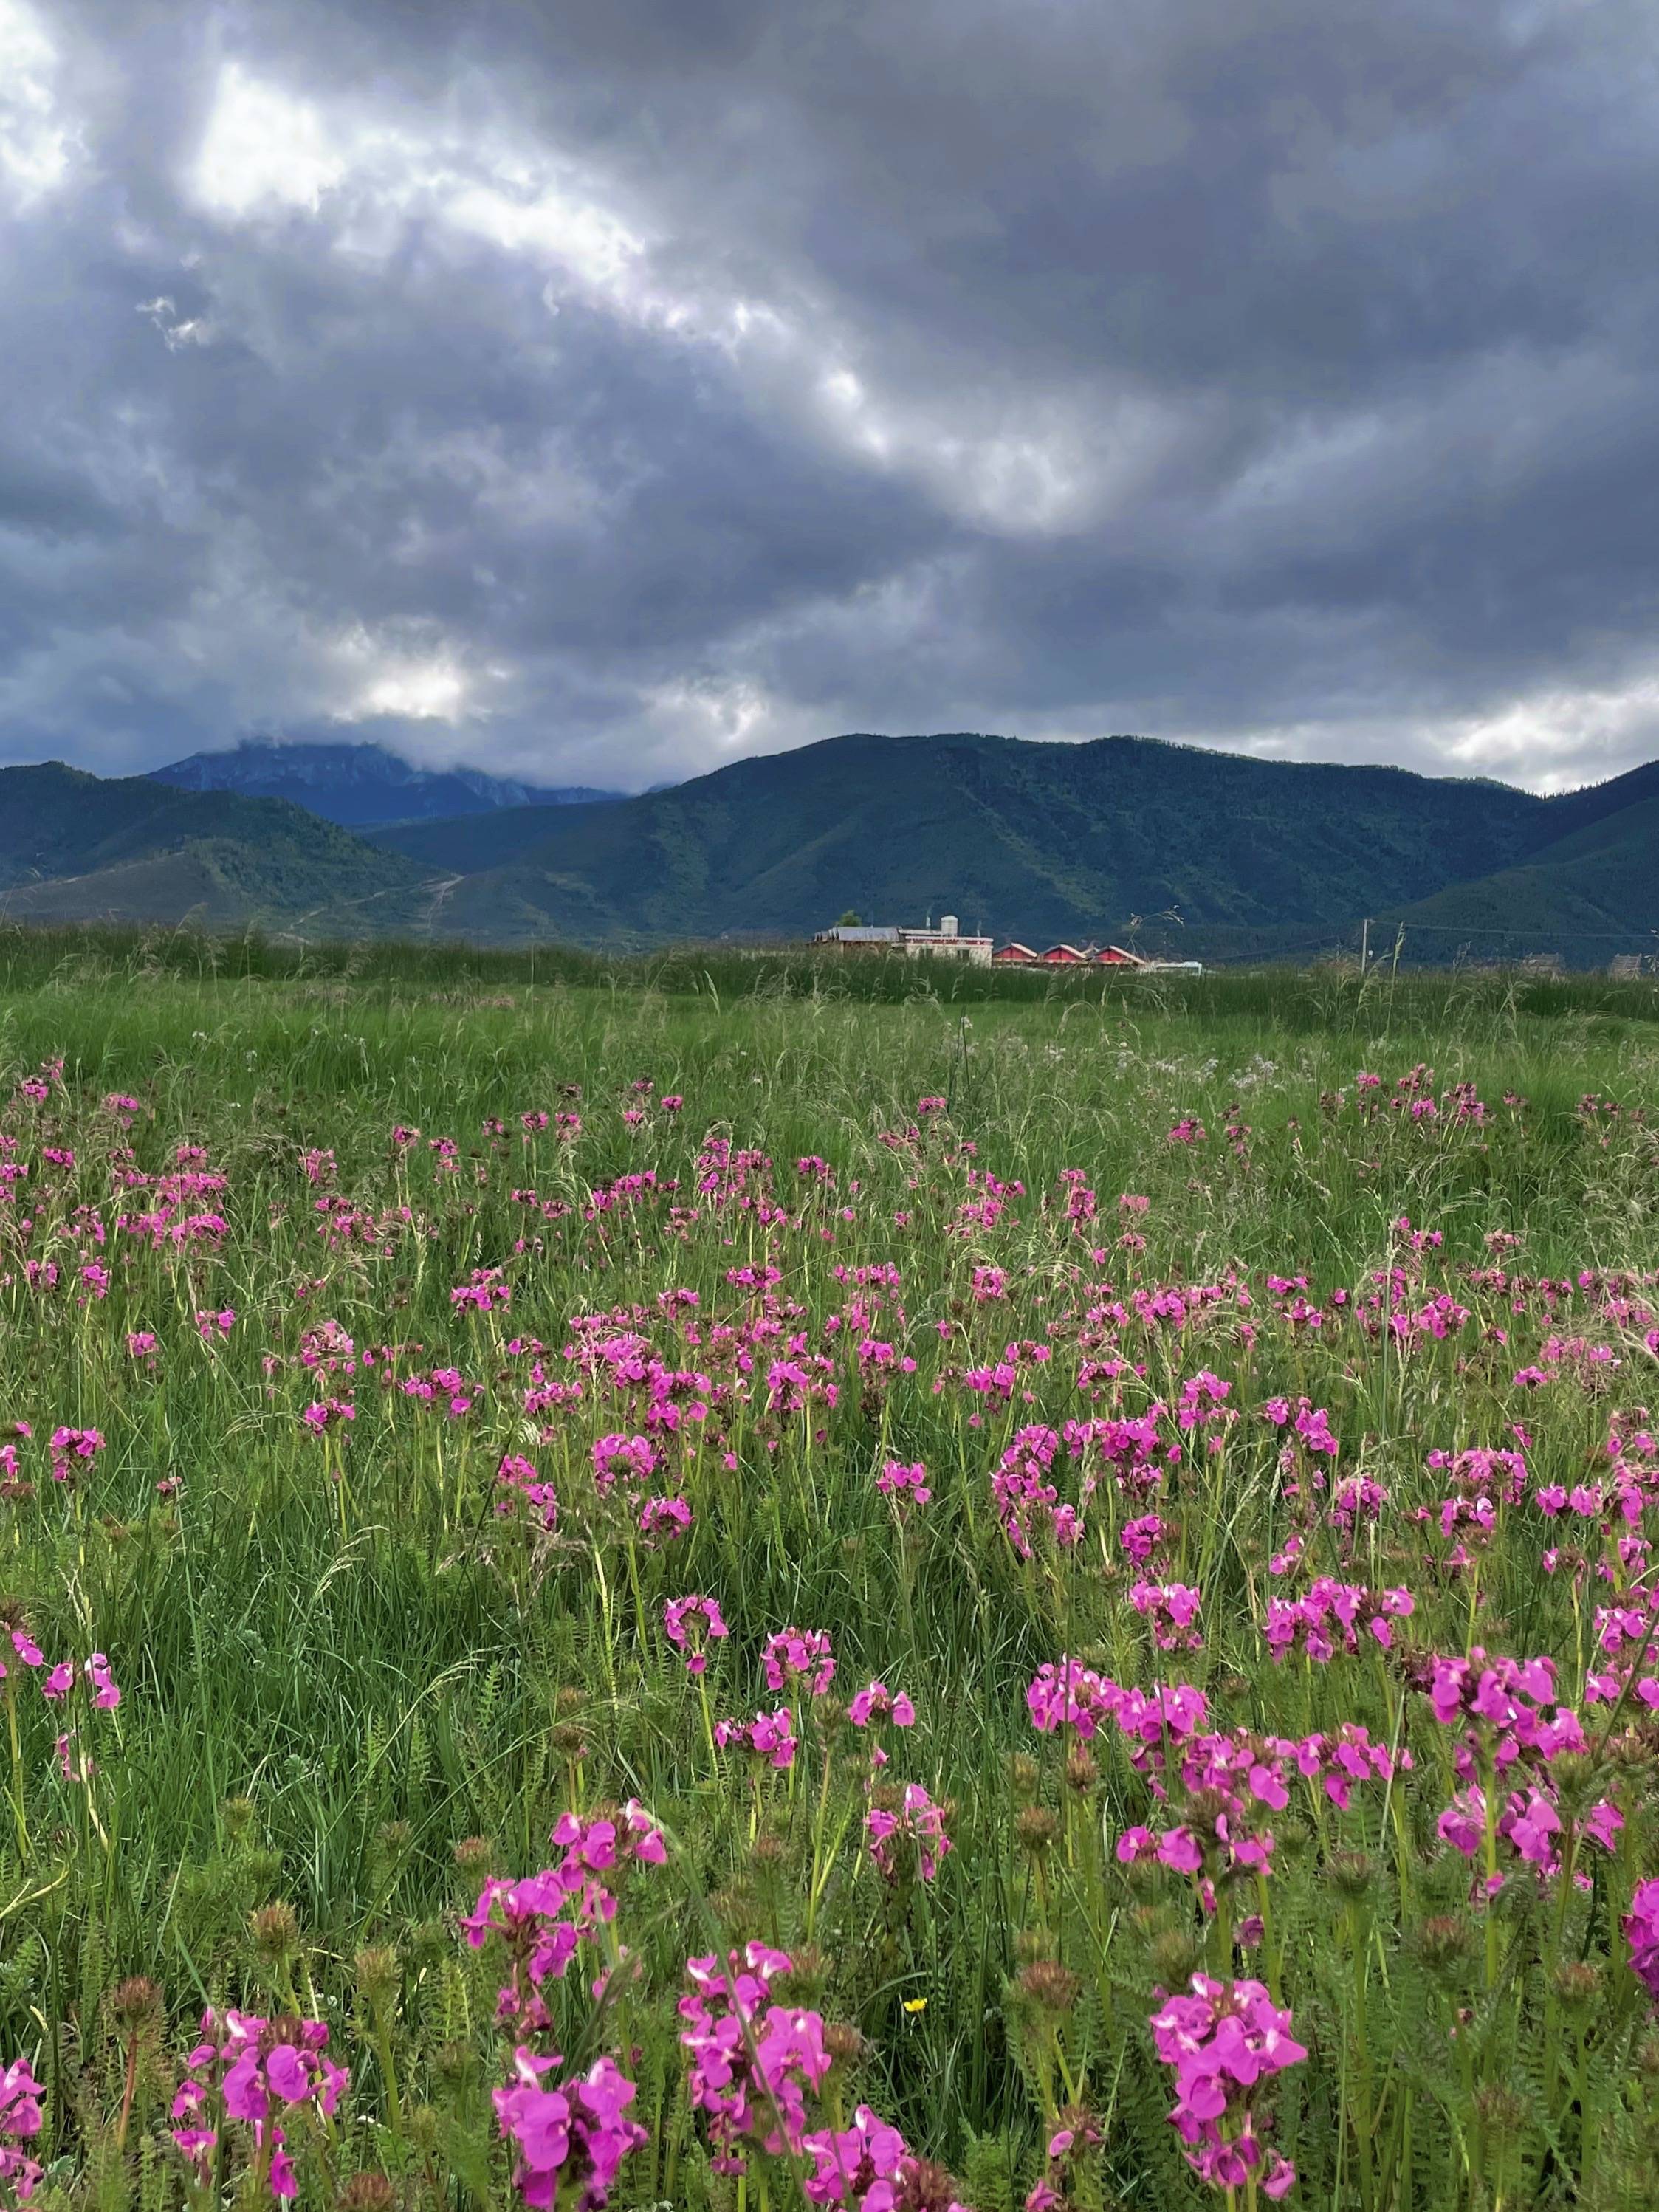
pixel 915 2004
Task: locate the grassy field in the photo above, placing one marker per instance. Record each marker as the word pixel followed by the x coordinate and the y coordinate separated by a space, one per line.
pixel 394 1340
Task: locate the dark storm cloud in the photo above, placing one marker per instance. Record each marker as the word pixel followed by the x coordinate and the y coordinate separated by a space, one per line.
pixel 598 389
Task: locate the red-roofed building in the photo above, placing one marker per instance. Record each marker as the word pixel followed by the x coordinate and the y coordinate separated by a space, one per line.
pixel 1062 956
pixel 1013 956
pixel 1113 956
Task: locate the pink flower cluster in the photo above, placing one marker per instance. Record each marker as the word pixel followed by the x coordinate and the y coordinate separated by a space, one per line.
pixel 1506 1705
pixel 20 2121
pixel 631 1461
pixel 69 1445
pixel 1067 1695
pixel 663 1519
pixel 1028 1505
pixel 866 2166
pixel 518 1478
pixel 544 1919
pixel 798 1658
pixel 751 2060
pixel 769 1736
pixel 1641 1933
pixel 1225 2042
pixel 93 1678
pixel 876 1703
pixel 569 2142
pixel 1141 1538
pixel 904 1486
pixel 1509 1725
pixel 688 1622
pixel 1309 1427
pixel 244 2068
pixel 914 1835
pixel 1171 1611
pixel 1529 1823
pixel 1332 1615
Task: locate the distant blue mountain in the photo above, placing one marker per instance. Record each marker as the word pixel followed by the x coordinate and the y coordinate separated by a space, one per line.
pixel 362 786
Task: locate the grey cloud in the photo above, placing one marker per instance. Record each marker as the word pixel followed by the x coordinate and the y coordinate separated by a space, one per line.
pixel 1281 379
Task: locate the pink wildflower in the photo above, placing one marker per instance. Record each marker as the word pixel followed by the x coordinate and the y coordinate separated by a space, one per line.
pixel 797 1658
pixel 569 2143
pixel 1223 2041
pixel 687 1622
pixel 20 2121
pixel 911 1837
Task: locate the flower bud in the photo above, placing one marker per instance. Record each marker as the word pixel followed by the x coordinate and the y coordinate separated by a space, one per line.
pixel 1082 1768
pixel 275 1932
pixel 1175 1958
pixel 430 1942
pixel 423 2128
pixel 928 2187
pixel 1573 1778
pixel 238 1814
pixel 1050 1986
pixel 376 1971
pixel 1024 1775
pixel 366 2192
pixel 1036 1829
pixel 1145 1878
pixel 844 2043
pixel 261 1866
pixel 1350 1873
pixel 1443 1942
pixel 1578 1985
pixel 1500 2109
pixel 135 2003
pixel 453 2060
pixel 806 1977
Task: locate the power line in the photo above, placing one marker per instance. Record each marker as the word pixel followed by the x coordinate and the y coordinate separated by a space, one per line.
pixel 1649 937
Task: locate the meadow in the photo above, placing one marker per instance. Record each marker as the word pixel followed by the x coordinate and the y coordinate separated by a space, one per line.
pixel 720 1583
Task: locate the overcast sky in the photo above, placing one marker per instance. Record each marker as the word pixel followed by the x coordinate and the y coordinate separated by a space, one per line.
pixel 598 389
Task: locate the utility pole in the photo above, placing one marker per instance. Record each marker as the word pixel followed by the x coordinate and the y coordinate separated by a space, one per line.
pixel 1364 942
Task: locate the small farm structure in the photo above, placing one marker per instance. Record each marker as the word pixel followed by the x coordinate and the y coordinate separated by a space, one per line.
pixel 947 942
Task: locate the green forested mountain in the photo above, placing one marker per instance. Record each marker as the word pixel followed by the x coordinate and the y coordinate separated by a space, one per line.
pixel 79 847
pixel 1589 891
pixel 1209 854
pixel 1035 841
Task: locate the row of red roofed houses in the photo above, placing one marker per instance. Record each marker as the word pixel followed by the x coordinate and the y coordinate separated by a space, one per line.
pixel 1015 955
pixel 1069 956
pixel 950 942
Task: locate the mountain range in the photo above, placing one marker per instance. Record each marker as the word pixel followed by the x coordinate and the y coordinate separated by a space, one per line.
pixel 80 847
pixel 362 786
pixel 1183 850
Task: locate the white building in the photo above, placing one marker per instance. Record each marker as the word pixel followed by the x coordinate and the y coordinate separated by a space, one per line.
pixel 947 942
